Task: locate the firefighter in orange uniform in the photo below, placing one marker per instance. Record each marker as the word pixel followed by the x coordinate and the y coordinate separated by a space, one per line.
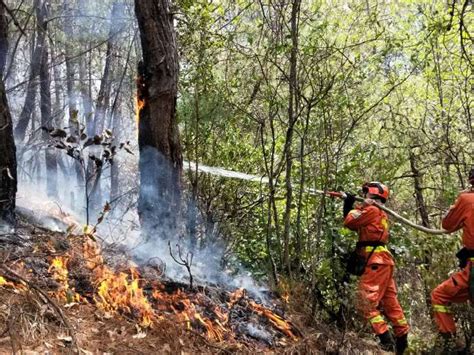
pixel 376 286
pixel 459 288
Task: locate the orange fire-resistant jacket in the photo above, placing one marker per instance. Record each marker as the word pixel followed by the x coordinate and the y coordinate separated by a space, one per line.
pixel 461 215
pixel 456 288
pixel 371 223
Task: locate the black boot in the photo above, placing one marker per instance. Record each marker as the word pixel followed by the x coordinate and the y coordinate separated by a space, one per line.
pixel 401 343
pixel 386 341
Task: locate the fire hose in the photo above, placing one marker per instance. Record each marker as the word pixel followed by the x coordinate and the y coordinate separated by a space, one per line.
pixel 387 210
pixel 242 176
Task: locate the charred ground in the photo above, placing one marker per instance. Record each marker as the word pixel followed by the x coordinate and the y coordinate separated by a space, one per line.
pixel 55 299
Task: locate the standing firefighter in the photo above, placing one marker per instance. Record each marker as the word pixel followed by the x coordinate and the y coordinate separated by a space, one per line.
pixel 459 288
pixel 374 264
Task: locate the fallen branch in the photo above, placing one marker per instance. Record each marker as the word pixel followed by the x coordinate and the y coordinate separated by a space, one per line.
pixel 20 279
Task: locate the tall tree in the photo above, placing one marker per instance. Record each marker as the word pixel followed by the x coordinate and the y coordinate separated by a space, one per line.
pixel 45 104
pixel 161 159
pixel 32 85
pixel 8 177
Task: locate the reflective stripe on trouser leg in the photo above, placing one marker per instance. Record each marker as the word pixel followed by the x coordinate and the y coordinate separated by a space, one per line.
pixel 453 290
pixel 393 311
pixel 444 319
pixel 378 324
pixel 441 309
pixel 372 286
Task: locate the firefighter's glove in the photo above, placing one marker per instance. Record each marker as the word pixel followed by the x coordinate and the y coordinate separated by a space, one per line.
pixel 348 203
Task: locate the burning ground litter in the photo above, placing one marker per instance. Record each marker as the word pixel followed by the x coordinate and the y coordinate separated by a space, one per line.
pixel 74 273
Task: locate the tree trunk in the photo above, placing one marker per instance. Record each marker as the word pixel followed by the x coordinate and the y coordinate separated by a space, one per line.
pixel 45 103
pixel 8 176
pixel 103 100
pixel 31 89
pixel 84 81
pixel 161 161
pixel 71 97
pixel 86 99
pixel 114 169
pixel 420 201
pixel 292 117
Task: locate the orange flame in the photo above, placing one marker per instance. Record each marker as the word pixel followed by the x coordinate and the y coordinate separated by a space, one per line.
pixel 140 103
pixel 275 319
pixel 5 283
pixel 122 293
pixel 59 271
pixel 118 292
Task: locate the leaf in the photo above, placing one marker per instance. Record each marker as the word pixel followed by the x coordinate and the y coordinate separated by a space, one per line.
pixel 128 151
pixel 71 139
pixel 98 163
pixel 97 140
pixel 108 132
pixel 74 115
pixel 58 133
pixel 89 142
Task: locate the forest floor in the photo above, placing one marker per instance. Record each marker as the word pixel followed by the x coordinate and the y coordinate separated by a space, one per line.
pixel 45 309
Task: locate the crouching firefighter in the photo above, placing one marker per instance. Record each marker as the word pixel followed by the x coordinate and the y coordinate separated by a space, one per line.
pixel 373 262
pixel 459 288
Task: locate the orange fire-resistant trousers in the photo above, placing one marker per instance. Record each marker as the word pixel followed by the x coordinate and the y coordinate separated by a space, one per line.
pixel 378 294
pixel 453 290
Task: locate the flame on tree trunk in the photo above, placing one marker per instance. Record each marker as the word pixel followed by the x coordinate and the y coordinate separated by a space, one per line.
pixel 158 136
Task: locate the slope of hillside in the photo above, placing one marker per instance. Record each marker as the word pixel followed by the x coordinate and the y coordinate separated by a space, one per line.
pixel 60 294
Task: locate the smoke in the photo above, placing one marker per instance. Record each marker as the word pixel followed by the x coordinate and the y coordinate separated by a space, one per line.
pixel 182 231
pixel 257 332
pixel 122 227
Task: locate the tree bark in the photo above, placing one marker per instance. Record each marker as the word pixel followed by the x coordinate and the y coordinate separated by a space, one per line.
pixel 71 66
pixel 420 201
pixel 8 175
pixel 292 117
pixel 103 99
pixel 45 105
pixel 31 89
pixel 161 159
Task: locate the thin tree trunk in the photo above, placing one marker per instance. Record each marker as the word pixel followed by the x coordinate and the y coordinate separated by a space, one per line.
pixel 103 98
pixel 32 86
pixel 161 161
pixel 86 99
pixel 45 104
pixel 292 117
pixel 8 175
pixel 420 201
pixel 70 77
pixel 114 169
